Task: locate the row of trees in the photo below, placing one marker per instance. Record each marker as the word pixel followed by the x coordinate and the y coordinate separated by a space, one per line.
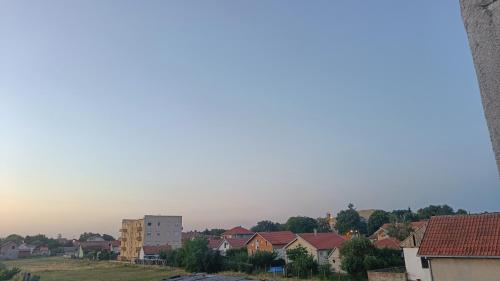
pixel 349 219
pixel 196 256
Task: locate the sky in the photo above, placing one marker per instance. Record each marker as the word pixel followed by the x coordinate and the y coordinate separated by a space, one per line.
pixel 231 112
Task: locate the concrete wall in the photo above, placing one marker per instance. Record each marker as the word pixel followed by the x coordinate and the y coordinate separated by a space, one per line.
pixel 161 230
pixel 463 269
pixel 413 265
pixel 482 22
pixel 386 276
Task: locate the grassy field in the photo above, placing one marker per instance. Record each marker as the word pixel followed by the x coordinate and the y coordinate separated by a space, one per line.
pixel 61 269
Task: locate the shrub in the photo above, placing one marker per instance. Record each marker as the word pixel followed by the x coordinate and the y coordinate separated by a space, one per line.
pixel 301 262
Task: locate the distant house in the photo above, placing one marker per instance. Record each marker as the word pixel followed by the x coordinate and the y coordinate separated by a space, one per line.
pixel 114 246
pixel 25 250
pixel 388 242
pixel 417 268
pixel 69 252
pixel 462 247
pixel 91 246
pixel 270 242
pixel 319 245
pixel 152 252
pixel 238 232
pixel 9 250
pixel 95 238
pixel 213 243
pixel 41 251
pixel 231 243
pixel 383 231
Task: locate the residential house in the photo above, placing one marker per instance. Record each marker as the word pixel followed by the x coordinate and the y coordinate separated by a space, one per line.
pixel 383 231
pixel 388 242
pixel 416 267
pixel 9 250
pixel 238 232
pixel 43 251
pixel 95 238
pixel 318 245
pixel 270 242
pixel 462 247
pixel 149 231
pixel 152 252
pixel 187 236
pixel 86 247
pixel 334 260
pixel 25 250
pixel 69 252
pixel 114 246
pixel 213 243
pixel 231 243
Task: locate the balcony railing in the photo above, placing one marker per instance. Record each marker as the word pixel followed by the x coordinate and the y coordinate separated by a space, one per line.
pixel 123 248
pixel 139 238
pixel 124 239
pixel 124 230
pixel 139 228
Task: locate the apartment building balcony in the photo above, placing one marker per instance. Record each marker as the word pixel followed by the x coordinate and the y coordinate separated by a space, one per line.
pixel 123 230
pixel 123 239
pixel 139 238
pixel 139 228
pixel 123 249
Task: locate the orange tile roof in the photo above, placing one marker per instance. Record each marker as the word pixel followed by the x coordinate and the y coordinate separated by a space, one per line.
pixel 390 243
pixel 237 243
pixel 462 236
pixel 237 230
pixel 214 243
pixel 278 238
pixel 323 241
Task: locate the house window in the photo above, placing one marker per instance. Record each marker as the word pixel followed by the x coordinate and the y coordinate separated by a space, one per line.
pixel 424 262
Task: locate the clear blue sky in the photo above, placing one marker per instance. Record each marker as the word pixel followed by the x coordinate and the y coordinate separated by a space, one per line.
pixel 229 112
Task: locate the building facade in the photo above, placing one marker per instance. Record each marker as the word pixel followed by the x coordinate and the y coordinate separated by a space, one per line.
pixel 149 231
pixel 462 247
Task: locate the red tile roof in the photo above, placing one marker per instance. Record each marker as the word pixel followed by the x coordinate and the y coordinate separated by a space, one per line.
pixel 237 243
pixel 214 243
pixel 155 250
pixel 390 243
pixel 462 236
pixel 115 243
pixel 323 241
pixel 277 238
pixel 237 230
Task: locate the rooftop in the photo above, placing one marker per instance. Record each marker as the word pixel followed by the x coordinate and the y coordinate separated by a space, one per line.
pixel 462 236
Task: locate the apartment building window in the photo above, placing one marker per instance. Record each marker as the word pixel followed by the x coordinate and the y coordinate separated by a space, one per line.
pixel 149 224
pixel 157 234
pixel 149 233
pixel 158 223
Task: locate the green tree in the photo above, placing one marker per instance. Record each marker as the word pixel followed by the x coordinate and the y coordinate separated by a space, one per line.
pixel 262 260
pixel 13 237
pixel 301 262
pixel 404 215
pixel 437 210
pixel 266 225
pixel 213 232
pixel 7 274
pixel 86 235
pixel 323 225
pixel 107 237
pixel 399 230
pixel 194 253
pixel 301 224
pixel 376 220
pixel 353 253
pixel 348 220
pixel 173 257
pixel 461 212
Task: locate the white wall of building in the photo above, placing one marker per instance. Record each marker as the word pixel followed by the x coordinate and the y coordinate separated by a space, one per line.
pixel 414 266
